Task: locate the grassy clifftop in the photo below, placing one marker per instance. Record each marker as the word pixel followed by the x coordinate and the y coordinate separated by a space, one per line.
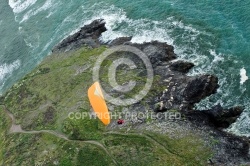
pixel 42 100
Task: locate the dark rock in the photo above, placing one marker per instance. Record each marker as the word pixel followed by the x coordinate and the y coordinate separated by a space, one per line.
pixel 182 92
pixel 232 149
pixel 88 35
pixel 229 149
pixel 199 118
pixel 120 41
pixel 223 117
pixel 156 51
pixel 200 87
pixel 181 66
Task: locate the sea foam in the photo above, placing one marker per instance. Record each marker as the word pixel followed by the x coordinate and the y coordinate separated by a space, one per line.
pixel 48 4
pixel 241 127
pixel 141 30
pixel 243 76
pixel 19 6
pixel 6 69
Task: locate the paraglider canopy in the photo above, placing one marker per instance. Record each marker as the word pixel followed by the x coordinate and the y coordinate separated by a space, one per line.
pixel 98 103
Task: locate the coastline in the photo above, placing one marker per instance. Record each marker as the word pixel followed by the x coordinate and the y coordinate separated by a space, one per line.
pixel 229 149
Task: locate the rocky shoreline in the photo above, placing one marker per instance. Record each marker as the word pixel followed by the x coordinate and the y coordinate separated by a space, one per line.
pixel 181 93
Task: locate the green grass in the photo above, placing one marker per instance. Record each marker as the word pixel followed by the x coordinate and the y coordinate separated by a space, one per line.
pixel 4 125
pixel 191 149
pixel 53 85
pixel 157 149
pixel 45 149
pixel 83 129
pixel 130 150
pixel 90 155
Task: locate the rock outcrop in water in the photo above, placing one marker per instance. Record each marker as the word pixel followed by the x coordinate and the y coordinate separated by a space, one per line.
pixel 181 92
pixel 223 117
pixel 88 35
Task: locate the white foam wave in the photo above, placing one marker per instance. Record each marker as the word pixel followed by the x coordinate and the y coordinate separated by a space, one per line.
pixel 50 14
pixel 142 30
pixel 243 76
pixel 19 6
pixel 241 126
pixel 217 57
pixel 181 25
pixel 119 25
pixel 6 69
pixel 48 4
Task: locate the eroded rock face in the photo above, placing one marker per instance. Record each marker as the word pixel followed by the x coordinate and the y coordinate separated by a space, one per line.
pixel 88 35
pixel 157 52
pixel 223 117
pixel 200 87
pixel 120 41
pixel 181 93
pixel 181 66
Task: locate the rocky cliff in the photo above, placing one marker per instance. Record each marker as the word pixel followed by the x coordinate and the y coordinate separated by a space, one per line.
pixel 40 103
pixel 180 93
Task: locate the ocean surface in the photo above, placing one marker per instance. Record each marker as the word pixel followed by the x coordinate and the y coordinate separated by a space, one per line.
pixel 214 35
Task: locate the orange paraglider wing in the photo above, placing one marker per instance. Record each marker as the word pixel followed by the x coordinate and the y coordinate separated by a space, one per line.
pixel 98 103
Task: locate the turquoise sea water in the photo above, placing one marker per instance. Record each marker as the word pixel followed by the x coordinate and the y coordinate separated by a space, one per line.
pixel 214 35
